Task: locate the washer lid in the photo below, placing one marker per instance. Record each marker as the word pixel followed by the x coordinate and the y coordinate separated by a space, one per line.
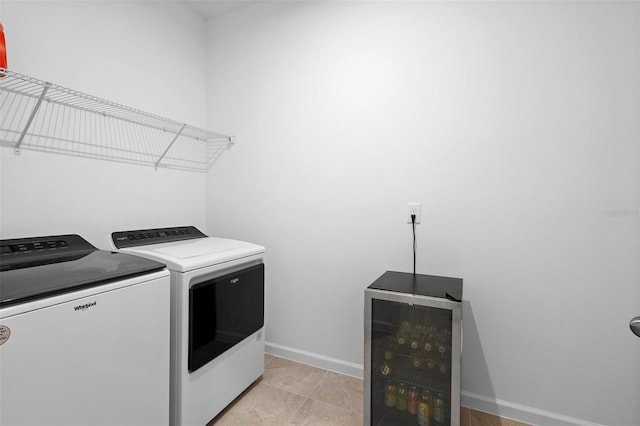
pixel 35 268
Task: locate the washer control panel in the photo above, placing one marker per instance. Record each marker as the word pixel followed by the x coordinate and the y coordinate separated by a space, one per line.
pixel 18 251
pixel 42 245
pixel 34 246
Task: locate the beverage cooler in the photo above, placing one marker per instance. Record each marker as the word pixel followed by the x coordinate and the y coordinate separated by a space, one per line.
pixel 413 343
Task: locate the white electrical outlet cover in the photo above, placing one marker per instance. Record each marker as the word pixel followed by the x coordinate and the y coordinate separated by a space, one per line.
pixel 413 208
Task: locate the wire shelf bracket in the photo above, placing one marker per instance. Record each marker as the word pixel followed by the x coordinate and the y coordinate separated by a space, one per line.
pixel 40 116
pixel 31 117
pixel 169 147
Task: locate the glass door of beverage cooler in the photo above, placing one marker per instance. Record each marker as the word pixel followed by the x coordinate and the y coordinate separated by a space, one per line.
pixel 412 360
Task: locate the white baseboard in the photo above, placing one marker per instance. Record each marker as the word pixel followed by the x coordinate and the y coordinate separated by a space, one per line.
pixel 471 400
pixel 518 412
pixel 315 360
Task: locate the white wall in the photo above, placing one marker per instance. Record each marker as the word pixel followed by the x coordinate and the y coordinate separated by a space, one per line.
pixel 150 56
pixel 516 126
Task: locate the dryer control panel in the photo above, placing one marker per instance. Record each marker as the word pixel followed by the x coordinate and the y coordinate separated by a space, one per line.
pixel 143 237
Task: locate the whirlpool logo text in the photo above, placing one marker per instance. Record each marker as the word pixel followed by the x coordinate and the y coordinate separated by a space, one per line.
pixel 85 306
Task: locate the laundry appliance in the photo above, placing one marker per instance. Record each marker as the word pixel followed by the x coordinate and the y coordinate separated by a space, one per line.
pixel 217 315
pixel 83 335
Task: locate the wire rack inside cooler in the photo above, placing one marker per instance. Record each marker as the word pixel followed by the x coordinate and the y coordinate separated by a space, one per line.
pixel 40 116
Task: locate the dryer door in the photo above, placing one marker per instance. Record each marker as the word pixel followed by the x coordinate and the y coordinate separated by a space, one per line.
pixel 223 311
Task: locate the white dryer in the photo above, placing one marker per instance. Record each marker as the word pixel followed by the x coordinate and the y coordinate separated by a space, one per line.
pixel 217 316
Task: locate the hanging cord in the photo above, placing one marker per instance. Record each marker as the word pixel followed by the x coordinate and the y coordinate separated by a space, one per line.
pixel 413 225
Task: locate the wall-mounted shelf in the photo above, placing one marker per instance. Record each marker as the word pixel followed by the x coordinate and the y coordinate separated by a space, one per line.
pixel 40 116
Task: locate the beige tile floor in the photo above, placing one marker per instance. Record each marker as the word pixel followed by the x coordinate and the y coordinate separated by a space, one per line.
pixel 294 394
pixel 290 393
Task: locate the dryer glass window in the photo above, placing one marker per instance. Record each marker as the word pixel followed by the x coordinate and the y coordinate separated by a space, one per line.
pixel 223 311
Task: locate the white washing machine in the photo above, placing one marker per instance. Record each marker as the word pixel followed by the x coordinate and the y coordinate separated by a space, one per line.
pixel 83 335
pixel 217 316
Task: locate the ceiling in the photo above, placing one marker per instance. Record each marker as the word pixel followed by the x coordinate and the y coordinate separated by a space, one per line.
pixel 212 8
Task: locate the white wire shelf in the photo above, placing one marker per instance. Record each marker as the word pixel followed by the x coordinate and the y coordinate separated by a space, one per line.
pixel 40 116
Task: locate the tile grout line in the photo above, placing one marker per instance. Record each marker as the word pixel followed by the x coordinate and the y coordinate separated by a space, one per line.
pixel 291 417
pixel 284 390
pixel 324 375
pixel 327 372
pixel 303 408
pixel 307 397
